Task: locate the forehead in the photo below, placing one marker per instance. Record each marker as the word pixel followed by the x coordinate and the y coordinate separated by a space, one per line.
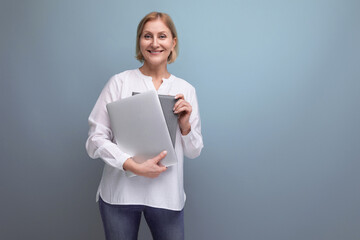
pixel 155 26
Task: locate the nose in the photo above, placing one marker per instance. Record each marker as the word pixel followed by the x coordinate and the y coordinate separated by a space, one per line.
pixel 154 43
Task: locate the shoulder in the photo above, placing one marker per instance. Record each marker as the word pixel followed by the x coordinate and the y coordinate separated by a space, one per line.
pixel 124 75
pixel 119 79
pixel 183 84
pixel 116 81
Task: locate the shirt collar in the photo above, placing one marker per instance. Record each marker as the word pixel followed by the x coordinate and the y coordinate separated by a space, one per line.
pixel 149 78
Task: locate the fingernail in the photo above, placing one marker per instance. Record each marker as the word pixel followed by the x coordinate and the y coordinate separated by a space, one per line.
pixel 165 152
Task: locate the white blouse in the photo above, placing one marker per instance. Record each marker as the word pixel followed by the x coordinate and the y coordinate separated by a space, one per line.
pixel 165 191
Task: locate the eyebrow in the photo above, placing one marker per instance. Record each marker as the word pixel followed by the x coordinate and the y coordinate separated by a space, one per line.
pixel 147 31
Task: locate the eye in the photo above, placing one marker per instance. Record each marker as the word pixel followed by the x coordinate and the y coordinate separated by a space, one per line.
pixel 147 36
pixel 163 36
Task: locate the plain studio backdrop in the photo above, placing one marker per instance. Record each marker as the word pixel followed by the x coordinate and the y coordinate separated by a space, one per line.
pixel 278 84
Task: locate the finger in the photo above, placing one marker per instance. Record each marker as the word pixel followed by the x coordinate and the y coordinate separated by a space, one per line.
pixel 157 173
pixel 159 157
pixel 182 104
pixel 161 169
pixel 180 95
pixel 183 109
pixel 180 101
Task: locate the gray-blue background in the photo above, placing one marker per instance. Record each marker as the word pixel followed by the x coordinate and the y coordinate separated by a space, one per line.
pixel 278 84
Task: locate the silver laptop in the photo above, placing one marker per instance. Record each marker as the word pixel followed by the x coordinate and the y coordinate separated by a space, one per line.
pixel 140 129
pixel 167 103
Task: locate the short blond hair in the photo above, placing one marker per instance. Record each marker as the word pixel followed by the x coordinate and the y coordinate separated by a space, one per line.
pixel 168 22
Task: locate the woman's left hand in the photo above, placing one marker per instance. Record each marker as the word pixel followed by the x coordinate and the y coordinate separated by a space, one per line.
pixel 183 109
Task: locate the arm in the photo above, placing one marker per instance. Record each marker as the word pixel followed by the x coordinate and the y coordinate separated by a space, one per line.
pixel 151 168
pixel 99 143
pixel 190 124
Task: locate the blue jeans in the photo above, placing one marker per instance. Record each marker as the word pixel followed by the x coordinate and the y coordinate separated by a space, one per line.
pixel 121 222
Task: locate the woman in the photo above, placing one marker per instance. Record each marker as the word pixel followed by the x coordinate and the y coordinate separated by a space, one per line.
pixel 157 191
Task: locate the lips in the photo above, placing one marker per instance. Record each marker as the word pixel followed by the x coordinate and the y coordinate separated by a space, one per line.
pixel 155 52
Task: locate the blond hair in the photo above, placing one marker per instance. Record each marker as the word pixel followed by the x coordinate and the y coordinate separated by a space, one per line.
pixel 168 22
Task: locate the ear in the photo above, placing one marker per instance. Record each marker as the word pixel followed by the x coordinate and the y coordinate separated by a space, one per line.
pixel 174 42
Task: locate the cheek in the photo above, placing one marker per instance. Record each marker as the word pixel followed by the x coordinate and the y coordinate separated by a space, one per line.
pixel 169 45
pixel 142 48
pixel 142 44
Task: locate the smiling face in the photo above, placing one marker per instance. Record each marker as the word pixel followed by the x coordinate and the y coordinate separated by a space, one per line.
pixel 156 42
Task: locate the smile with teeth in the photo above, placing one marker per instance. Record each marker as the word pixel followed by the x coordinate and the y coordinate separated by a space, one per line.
pixel 155 52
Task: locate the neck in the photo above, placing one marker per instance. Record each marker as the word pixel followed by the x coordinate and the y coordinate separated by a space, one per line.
pixel 156 72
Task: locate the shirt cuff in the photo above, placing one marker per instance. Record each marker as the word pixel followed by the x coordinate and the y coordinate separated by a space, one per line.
pixel 120 157
pixel 188 137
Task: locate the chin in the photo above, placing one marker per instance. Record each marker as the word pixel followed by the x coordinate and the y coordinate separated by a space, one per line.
pixel 156 62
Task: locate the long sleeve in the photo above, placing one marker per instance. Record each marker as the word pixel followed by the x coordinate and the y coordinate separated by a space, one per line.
pixel 100 137
pixel 166 191
pixel 193 142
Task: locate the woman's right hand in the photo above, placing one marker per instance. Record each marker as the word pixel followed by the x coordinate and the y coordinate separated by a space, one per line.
pixel 151 168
